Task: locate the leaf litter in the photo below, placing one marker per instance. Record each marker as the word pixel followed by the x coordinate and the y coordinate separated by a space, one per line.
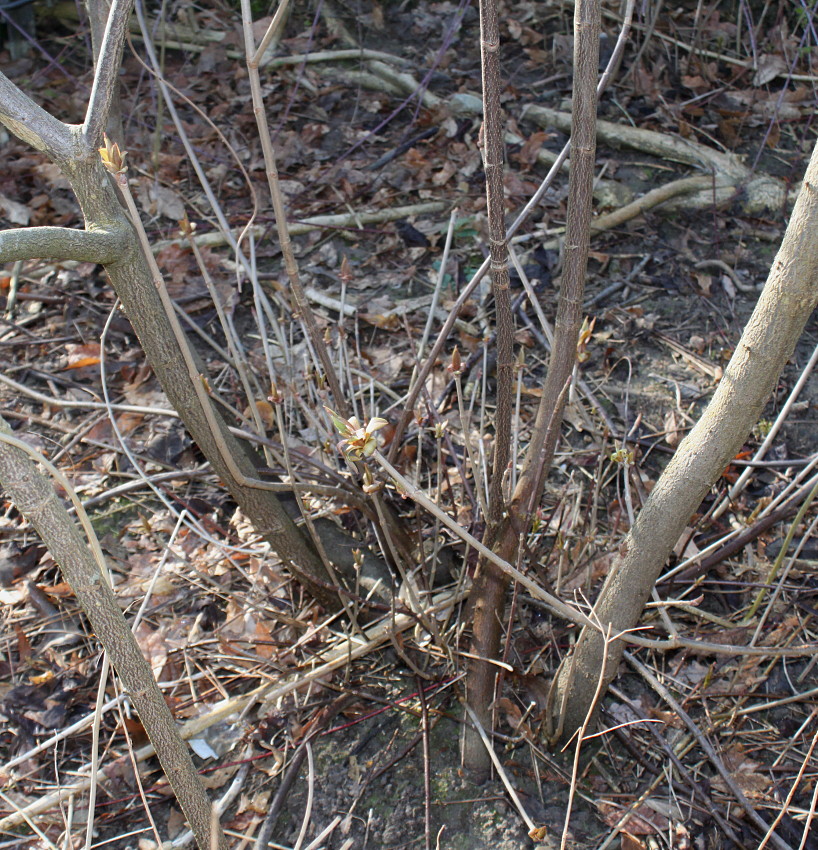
pixel 223 616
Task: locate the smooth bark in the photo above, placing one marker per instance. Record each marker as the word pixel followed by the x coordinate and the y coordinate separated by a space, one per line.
pixel 95 246
pixel 788 299
pixel 109 239
pixel 109 22
pixel 106 224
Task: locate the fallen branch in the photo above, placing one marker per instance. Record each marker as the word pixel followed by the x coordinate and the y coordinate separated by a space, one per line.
pixel 755 193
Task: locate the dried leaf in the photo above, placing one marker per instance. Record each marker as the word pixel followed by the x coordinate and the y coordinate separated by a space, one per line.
pixel 644 820
pixel 672 428
pixel 154 647
pixel 745 774
pixel 81 355
pixel 264 646
pixel 390 322
pixel 768 68
pixel 15 212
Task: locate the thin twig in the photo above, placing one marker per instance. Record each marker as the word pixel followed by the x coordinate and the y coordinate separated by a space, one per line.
pixel 427 768
pixel 290 264
pixel 349 649
pixel 560 608
pixel 521 218
pixel 708 748
pixel 695 786
pixel 580 737
pixel 290 775
pixel 500 771
pixel 795 783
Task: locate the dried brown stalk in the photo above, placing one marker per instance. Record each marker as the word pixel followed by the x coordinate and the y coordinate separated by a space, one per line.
pixel 254 57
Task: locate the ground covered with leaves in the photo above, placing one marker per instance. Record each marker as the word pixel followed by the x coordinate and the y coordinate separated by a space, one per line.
pixel 374 111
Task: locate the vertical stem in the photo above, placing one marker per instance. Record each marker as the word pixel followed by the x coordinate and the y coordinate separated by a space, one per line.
pixel 575 262
pixel 495 199
pixel 505 532
pixel 488 592
pixel 319 345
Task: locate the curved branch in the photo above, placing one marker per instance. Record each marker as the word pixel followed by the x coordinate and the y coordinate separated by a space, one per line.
pixel 62 243
pixel 648 141
pixel 31 123
pixel 758 192
pixel 786 302
pixel 661 196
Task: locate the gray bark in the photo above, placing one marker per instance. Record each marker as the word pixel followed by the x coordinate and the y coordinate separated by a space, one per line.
pixel 36 499
pixel 786 302
pixel 109 238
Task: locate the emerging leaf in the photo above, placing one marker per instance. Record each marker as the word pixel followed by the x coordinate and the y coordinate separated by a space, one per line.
pixel 341 425
pixel 113 158
pixel 376 424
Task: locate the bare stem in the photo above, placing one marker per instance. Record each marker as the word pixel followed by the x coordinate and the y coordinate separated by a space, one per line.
pixel 577 242
pixel 316 338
